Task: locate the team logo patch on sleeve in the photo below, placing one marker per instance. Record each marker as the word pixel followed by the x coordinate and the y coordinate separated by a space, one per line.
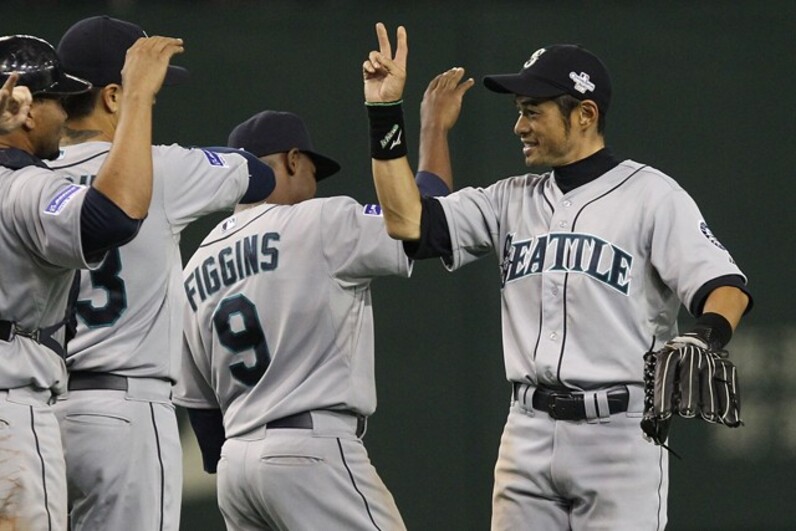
pixel 61 199
pixel 228 224
pixel 372 210
pixel 215 159
pixel 703 227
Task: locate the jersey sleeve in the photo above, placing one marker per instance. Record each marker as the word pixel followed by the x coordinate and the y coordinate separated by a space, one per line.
pixel 193 389
pixel 47 217
pixel 355 242
pixel 683 250
pixel 197 182
pixel 473 221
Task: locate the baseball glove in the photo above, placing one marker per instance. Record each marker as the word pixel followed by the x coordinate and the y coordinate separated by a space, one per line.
pixel 688 379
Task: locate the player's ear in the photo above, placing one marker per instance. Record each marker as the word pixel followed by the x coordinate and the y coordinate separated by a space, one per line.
pixel 588 113
pixel 292 160
pixel 111 96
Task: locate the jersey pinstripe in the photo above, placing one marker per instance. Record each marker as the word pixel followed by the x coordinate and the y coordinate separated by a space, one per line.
pixel 279 318
pixel 591 279
pixel 129 310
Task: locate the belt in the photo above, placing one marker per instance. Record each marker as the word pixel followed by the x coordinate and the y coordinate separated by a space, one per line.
pixel 43 336
pixel 571 405
pixel 85 380
pixel 303 421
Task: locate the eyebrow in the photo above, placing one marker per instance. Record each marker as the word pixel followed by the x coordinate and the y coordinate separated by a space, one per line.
pixel 524 101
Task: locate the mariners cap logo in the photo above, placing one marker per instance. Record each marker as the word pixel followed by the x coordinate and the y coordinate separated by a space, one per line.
pixel 582 82
pixel 534 57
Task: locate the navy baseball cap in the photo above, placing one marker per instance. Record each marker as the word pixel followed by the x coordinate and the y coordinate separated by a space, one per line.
pixel 95 48
pixel 38 66
pixel 271 132
pixel 556 70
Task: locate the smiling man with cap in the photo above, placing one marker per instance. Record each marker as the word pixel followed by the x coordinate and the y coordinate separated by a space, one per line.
pixel 278 362
pixel 124 355
pixel 595 257
pixel 49 227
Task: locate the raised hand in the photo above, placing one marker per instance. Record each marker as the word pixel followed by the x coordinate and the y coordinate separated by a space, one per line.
pixel 147 61
pixel 384 74
pixel 14 104
pixel 442 101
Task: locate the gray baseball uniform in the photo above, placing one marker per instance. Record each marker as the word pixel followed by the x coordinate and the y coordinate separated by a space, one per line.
pixel 40 238
pixel 585 293
pixel 279 335
pixel 125 354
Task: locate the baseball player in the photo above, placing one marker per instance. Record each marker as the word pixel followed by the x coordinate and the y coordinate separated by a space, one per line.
pixel 50 226
pixel 279 342
pixel 596 256
pixel 125 353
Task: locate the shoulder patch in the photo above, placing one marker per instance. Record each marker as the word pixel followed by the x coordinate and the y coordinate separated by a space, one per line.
pixel 228 224
pixel 61 199
pixel 215 159
pixel 371 210
pixel 703 227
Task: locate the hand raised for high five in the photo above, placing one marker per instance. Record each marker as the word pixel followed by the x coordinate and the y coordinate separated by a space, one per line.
pixel 384 74
pixel 442 101
pixel 146 63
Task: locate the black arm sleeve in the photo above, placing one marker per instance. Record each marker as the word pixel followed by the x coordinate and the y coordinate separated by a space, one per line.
pixel 208 426
pixel 104 225
pixel 435 239
pixel 702 293
pixel 261 177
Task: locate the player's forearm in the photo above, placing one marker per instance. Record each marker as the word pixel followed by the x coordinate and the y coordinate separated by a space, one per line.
pixel 435 153
pixel 729 302
pixel 399 197
pixel 126 176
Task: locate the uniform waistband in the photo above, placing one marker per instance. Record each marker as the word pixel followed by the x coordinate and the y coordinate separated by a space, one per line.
pixel 320 421
pixel 134 387
pixel 592 406
pixel 27 395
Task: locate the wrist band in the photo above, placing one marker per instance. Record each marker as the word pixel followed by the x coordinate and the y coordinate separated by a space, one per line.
pixel 387 139
pixel 714 329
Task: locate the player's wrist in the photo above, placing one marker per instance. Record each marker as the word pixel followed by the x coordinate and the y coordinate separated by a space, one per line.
pixel 387 137
pixel 712 328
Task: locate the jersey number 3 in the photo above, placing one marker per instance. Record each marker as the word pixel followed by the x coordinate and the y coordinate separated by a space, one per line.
pixel 248 336
pixel 107 278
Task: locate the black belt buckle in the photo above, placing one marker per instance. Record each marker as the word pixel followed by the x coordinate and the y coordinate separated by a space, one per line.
pixel 563 406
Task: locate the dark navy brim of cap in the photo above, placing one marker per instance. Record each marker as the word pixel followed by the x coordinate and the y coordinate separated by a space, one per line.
pixel 176 75
pixel 324 166
pixel 522 86
pixel 67 85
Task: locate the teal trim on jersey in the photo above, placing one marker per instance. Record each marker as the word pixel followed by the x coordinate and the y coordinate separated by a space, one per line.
pixel 252 337
pixel 106 278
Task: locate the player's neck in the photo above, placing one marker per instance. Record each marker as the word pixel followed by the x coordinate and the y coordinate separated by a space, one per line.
pixel 86 130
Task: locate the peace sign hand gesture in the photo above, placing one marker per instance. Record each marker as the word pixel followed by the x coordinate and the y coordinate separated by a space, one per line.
pixel 384 74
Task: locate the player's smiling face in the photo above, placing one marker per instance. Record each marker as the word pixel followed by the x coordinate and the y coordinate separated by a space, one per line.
pixel 545 133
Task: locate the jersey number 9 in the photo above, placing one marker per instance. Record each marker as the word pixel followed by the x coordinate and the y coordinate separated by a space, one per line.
pixel 249 337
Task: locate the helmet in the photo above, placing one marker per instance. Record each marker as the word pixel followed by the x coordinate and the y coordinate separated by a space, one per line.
pixel 38 66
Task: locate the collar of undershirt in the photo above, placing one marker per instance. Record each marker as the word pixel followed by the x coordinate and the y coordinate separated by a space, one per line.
pixel 16 159
pixel 584 171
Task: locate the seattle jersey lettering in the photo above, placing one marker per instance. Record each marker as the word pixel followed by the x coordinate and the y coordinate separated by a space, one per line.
pixel 571 253
pixel 233 263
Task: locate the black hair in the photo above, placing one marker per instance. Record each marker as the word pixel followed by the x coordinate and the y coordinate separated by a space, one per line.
pixel 566 104
pixel 81 105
